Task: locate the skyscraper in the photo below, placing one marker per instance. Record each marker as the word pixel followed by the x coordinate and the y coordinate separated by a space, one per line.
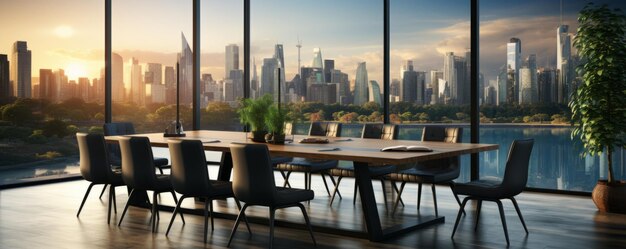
pixel 329 66
pixel 454 73
pixel 420 88
pixel 434 84
pixel 374 92
pixel 232 59
pixel 317 59
pixel 156 71
pixel 361 85
pixel 21 70
pixel 449 73
pixel 47 85
pixel 547 86
pixel 563 62
pixel 514 62
pixel 409 83
pixel 137 87
pixel 525 79
pixel 267 76
pixel 280 63
pixel 254 82
pixel 501 80
pixel 5 87
pixel 117 78
pixel 185 60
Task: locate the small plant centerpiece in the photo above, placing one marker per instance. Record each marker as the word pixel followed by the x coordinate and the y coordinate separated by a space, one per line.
pixel 275 122
pixel 252 113
pixel 599 104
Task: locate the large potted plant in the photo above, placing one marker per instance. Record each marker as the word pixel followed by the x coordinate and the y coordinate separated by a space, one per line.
pixel 252 113
pixel 599 104
pixel 275 122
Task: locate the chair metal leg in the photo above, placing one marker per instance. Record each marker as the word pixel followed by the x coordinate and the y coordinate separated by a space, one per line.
pixel 180 213
pixel 506 232
pixel 111 194
pixel 160 170
pixel 272 217
pixel 519 213
pixel 285 182
pixel 479 205
pixel 456 196
pixel 85 198
pixel 335 191
pixel 419 195
pixel 211 213
pixel 310 178
pixel 332 179
pixel 356 188
pixel 206 217
pixel 395 187
pixel 176 210
pixel 435 200
pixel 398 199
pixel 308 222
pixel 155 211
pixel 114 200
pixel 241 213
pixel 382 184
pixel 245 219
pixel 103 190
pixel 325 184
pixel 130 197
pixel 458 216
pixel 306 180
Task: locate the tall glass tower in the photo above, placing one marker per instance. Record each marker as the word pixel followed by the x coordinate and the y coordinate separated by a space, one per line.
pixel 21 70
pixel 513 64
pixel 374 92
pixel 232 59
pixel 563 62
pixel 361 85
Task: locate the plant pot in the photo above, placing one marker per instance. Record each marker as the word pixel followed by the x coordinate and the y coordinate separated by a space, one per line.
pixel 258 136
pixel 610 197
pixel 275 139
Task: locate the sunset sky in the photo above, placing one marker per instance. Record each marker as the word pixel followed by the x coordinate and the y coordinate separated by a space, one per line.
pixel 69 34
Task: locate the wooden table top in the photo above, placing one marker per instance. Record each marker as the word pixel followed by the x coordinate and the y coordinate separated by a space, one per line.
pixel 356 149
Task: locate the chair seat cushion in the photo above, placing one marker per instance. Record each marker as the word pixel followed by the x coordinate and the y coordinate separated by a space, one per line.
pixel 486 188
pixel 162 184
pixel 160 162
pixel 425 175
pixel 348 170
pixel 307 165
pixel 281 159
pixel 287 196
pixel 221 188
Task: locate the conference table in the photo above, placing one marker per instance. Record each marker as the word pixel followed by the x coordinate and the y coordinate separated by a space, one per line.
pixel 363 152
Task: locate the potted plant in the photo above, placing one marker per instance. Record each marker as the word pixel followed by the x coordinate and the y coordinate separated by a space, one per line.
pixel 275 122
pixel 252 112
pixel 599 103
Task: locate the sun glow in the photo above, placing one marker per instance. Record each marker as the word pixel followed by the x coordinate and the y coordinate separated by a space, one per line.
pixel 75 70
pixel 64 31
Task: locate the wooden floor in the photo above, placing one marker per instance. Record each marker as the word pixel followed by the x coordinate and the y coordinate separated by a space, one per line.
pixel 45 217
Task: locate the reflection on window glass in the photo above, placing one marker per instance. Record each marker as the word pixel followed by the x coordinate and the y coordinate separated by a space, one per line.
pixel 327 68
pixel 149 39
pixel 51 85
pixel 528 62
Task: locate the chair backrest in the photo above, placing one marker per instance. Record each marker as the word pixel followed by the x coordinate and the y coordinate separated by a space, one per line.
pixel 379 131
pixel 117 129
pixel 253 177
pixel 443 134
pixel 516 172
pixel 94 162
pixel 189 174
pixel 137 163
pixel 328 129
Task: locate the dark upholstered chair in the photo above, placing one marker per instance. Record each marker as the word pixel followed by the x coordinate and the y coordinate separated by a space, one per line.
pixel 514 181
pixel 138 173
pixel 375 131
pixel 313 166
pixel 190 178
pixel 432 171
pixel 95 167
pixel 253 183
pixel 115 157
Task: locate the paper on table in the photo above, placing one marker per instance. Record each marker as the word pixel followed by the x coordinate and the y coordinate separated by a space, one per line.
pixel 409 148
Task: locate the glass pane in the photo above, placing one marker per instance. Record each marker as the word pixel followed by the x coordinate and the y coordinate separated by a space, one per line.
pixel 528 64
pixel 328 61
pixel 149 39
pixel 51 86
pixel 429 67
pixel 221 67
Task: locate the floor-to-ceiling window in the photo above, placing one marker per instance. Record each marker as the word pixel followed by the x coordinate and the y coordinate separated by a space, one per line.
pixel 221 66
pixel 51 85
pixel 528 65
pixel 330 57
pixel 430 67
pixel 149 39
